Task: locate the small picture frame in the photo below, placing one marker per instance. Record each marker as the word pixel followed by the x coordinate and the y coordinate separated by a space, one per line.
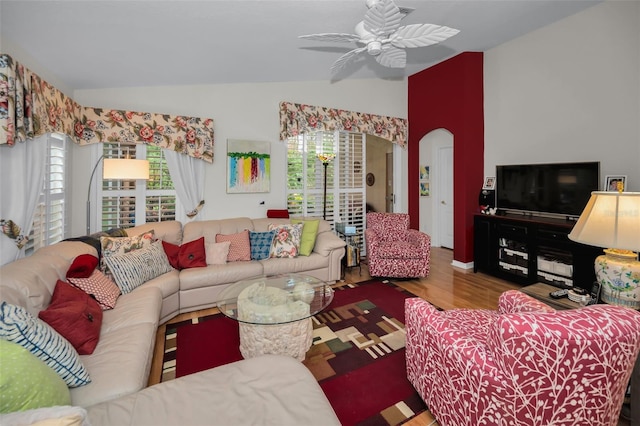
pixel 489 182
pixel 611 182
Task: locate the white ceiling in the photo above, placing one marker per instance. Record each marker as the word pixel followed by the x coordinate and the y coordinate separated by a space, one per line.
pixel 94 44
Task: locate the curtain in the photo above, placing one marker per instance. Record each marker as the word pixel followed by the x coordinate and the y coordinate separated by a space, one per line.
pixel 296 119
pixel 187 175
pixel 29 107
pixel 25 164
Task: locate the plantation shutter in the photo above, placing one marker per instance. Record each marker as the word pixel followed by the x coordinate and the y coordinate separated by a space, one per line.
pixel 160 205
pixel 127 203
pixel 350 180
pixel 345 176
pixel 49 225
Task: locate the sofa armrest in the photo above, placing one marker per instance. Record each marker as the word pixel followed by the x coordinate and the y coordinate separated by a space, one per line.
pixel 326 242
pixel 514 301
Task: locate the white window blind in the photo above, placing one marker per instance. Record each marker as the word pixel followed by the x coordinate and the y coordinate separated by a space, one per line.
pixel 49 224
pixel 127 203
pixel 346 194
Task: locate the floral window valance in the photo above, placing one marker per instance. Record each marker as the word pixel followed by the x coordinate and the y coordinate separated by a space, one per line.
pixel 300 118
pixel 30 107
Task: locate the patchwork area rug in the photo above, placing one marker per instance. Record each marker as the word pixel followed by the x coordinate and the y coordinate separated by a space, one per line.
pixel 357 354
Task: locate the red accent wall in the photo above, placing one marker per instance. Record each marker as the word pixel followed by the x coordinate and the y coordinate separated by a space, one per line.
pixel 450 96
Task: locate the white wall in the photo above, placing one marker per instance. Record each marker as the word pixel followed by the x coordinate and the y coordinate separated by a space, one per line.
pixel 568 92
pixel 239 111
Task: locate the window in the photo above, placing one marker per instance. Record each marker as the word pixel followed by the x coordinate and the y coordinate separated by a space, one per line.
pixel 127 203
pixel 345 176
pixel 49 223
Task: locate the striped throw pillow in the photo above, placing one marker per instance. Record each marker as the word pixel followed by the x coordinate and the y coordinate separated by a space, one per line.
pixel 18 326
pixel 135 268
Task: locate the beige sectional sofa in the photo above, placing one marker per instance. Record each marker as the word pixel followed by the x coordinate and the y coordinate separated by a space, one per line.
pixel 120 365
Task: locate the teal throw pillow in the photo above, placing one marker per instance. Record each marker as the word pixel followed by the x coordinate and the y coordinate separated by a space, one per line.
pixel 260 243
pixel 309 234
pixel 26 382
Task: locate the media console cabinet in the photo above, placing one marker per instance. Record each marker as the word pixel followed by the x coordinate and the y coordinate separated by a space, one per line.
pixel 528 249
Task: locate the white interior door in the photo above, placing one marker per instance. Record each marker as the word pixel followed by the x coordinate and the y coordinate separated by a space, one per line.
pixel 445 195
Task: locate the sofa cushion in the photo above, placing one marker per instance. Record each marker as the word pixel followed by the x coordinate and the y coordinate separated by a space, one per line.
pixel 27 382
pixel 75 315
pixel 309 234
pixel 217 253
pixel 101 287
pixel 17 325
pixel 261 244
pixel 134 268
pixel 287 240
pixel 187 255
pixel 240 248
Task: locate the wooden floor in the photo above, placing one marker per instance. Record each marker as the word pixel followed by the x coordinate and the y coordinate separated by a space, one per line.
pixel 447 287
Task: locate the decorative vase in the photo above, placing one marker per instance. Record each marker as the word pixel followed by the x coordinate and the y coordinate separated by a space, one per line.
pixel 618 272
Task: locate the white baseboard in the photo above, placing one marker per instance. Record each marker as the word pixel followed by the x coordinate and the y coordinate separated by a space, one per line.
pixel 457 264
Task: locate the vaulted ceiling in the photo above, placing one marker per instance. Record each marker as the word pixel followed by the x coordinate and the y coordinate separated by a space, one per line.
pixel 94 44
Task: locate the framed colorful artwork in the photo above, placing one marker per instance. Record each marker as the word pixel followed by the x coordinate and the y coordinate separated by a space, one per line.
pixel 248 166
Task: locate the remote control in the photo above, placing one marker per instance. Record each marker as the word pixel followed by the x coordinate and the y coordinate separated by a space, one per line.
pixel 559 294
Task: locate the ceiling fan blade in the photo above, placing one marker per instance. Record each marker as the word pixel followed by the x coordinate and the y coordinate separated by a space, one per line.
pixel 383 18
pixel 346 59
pixel 392 57
pixel 420 35
pixel 332 37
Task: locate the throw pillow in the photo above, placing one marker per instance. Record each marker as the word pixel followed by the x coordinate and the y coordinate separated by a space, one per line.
pixel 18 326
pixel 261 244
pixel 240 248
pixel 135 268
pixel 187 255
pixel 309 234
pixel 287 240
pixel 100 287
pixel 27 382
pixel 82 266
pixel 217 252
pixel 75 315
pixel 120 245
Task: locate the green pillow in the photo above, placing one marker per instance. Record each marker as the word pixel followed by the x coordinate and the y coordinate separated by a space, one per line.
pixel 309 234
pixel 26 382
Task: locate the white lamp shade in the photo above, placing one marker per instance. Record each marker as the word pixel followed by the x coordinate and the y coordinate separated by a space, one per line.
pixel 610 219
pixel 115 168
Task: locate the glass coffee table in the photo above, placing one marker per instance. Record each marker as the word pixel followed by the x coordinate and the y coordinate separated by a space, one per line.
pixel 274 313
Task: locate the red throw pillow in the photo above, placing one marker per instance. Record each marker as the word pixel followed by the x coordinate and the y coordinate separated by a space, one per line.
pixel 82 266
pixel 188 255
pixel 75 315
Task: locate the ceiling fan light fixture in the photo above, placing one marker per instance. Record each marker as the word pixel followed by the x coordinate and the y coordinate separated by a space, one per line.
pixel 374 48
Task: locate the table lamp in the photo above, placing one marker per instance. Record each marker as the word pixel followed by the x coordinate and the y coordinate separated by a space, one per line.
pixel 612 220
pixel 117 168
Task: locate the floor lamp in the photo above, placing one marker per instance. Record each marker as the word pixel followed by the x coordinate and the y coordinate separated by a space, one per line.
pixel 117 168
pixel 325 159
pixel 612 219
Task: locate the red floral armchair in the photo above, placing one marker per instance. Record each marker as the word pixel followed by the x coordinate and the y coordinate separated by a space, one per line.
pixel 524 364
pixel 394 250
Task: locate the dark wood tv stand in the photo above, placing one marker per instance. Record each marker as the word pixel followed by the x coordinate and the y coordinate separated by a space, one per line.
pixel 527 249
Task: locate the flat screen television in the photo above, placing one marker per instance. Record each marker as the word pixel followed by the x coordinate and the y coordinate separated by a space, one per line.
pixel 556 189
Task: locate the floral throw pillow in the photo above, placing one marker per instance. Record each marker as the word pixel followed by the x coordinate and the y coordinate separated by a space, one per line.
pixel 112 246
pixel 287 240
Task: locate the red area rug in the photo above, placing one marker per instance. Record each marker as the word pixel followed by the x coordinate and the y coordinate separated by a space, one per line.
pixel 357 355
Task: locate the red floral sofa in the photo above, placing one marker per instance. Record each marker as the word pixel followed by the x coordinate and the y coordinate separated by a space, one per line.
pixel 524 364
pixel 394 250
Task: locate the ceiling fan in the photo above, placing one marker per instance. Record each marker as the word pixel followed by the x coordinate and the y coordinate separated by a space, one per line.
pixel 381 36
